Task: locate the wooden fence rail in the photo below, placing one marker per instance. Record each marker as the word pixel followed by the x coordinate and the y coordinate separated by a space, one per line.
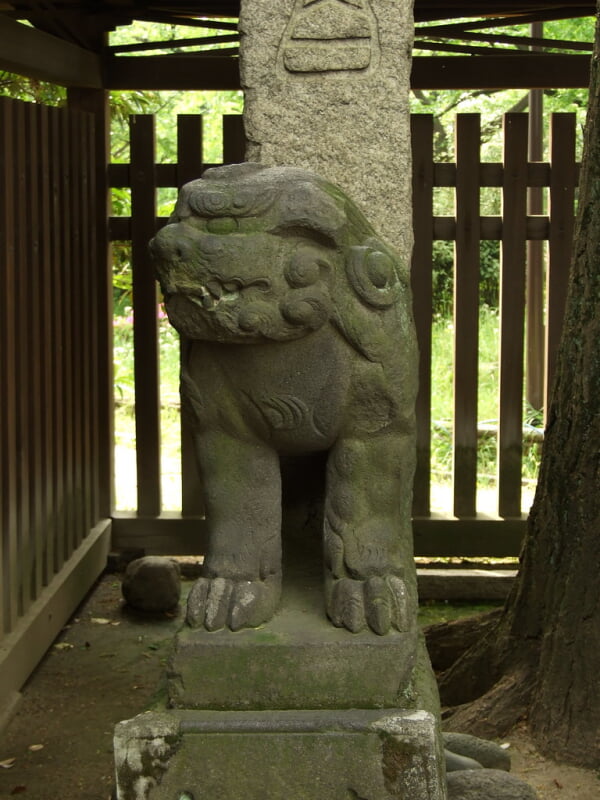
pixel 49 387
pixel 462 531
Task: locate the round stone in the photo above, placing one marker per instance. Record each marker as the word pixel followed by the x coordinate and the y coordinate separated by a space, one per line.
pixel 488 754
pixel 152 583
pixel 491 784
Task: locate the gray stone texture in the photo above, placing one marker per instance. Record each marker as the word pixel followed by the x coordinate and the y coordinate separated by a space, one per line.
pixel 455 762
pixel 298 339
pixel 326 88
pixel 279 756
pixel 152 583
pixel 298 660
pixel 487 753
pixel 490 784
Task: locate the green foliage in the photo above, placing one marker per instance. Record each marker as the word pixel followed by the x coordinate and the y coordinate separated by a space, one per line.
pixel 31 90
pixel 443 275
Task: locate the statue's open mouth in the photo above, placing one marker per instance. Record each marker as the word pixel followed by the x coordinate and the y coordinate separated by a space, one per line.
pixel 214 292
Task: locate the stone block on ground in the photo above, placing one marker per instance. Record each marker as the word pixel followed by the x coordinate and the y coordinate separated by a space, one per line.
pixel 152 583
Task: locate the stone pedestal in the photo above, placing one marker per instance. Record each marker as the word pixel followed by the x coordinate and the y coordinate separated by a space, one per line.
pixel 296 710
pixel 279 755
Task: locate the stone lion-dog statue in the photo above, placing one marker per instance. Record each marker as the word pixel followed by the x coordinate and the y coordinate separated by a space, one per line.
pixel 299 338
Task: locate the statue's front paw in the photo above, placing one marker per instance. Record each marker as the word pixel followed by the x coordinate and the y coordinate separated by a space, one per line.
pixel 215 603
pixel 381 603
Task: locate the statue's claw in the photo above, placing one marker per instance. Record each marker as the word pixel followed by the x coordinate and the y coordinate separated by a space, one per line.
pixel 379 603
pixel 215 603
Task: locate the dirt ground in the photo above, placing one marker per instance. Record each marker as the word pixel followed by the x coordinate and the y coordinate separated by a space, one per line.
pixel 106 666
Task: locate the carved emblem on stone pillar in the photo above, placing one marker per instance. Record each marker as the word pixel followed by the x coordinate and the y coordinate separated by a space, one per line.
pixel 330 36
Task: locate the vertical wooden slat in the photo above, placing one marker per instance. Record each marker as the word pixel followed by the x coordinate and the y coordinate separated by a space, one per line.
pixel 189 167
pixel 147 391
pixel 421 278
pixel 466 314
pixel 95 103
pixel 67 337
pixel 57 327
pixel 34 387
pixel 47 381
pixel 84 319
pixel 78 324
pixel 512 312
pixel 234 139
pixel 534 319
pixel 8 381
pixel 22 574
pixel 97 375
pixel 562 196
pixel 189 148
pixel 89 317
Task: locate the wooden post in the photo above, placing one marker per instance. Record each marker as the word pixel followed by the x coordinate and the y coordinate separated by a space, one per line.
pixel 95 101
pixel 535 253
pixel 466 314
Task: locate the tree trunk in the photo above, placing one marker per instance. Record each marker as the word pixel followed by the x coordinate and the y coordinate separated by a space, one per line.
pixel 543 657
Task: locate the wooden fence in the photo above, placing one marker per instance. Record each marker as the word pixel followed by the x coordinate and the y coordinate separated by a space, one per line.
pixel 53 539
pixel 462 531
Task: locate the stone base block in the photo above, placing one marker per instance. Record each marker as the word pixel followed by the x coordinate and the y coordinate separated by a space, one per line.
pixel 297 660
pixel 281 666
pixel 280 755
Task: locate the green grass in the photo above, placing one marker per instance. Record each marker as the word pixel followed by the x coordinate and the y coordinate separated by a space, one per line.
pixel 430 613
pixel 488 393
pixel 442 409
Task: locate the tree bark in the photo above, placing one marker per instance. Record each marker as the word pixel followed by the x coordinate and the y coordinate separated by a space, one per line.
pixel 544 655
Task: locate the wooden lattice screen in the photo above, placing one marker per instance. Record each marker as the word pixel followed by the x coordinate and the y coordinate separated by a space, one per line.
pixel 462 531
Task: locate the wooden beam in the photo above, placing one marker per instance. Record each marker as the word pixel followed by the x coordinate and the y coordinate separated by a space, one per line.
pixel 172 72
pixel 515 71
pixel 35 54
pixel 438 536
pixel 527 71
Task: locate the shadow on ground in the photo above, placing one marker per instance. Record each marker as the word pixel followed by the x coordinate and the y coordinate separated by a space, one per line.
pixel 107 666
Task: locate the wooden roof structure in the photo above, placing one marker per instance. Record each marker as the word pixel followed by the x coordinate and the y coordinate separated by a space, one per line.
pixel 65 41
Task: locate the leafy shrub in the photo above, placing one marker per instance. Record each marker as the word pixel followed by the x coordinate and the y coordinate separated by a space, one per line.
pixel 443 276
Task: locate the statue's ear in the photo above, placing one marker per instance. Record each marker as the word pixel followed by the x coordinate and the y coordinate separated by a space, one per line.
pixel 373 274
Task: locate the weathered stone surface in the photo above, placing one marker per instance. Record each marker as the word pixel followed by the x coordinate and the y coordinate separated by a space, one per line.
pixel 487 753
pixel 490 784
pixel 326 87
pixel 152 583
pixel 278 755
pixel 455 762
pixel 298 661
pixel 299 339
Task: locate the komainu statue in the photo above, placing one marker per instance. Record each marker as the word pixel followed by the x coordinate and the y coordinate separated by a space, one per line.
pixel 299 338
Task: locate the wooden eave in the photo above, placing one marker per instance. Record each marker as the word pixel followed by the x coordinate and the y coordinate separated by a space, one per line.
pixel 424 10
pixel 36 54
pixel 63 48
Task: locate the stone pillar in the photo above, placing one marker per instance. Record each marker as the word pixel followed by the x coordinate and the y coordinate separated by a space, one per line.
pixel 326 84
